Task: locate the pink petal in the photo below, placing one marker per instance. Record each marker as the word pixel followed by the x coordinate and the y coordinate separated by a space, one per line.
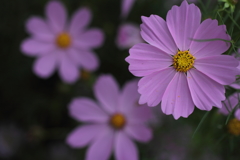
pixel 33 47
pixel 154 30
pixel 237 114
pixel 45 65
pixel 145 59
pixel 221 69
pixel 101 147
pixel 85 109
pixel 238 67
pixel 139 132
pixel 92 38
pixel 209 29
pixel 126 7
pixel 153 86
pixel 68 70
pixel 139 115
pixel 128 35
pixel 40 30
pixel 229 104
pixel 56 15
pixel 84 135
pixel 183 22
pixel 236 84
pixel 107 92
pixel 129 97
pixel 81 18
pixel 177 98
pixel 125 149
pixel 84 58
pixel 205 91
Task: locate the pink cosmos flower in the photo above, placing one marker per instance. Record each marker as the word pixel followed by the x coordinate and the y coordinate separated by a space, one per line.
pixel 126 7
pixel 128 35
pixel 177 70
pixel 229 104
pixel 112 122
pixel 63 45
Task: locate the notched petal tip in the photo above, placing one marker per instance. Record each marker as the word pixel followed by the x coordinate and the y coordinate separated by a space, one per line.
pixel 143 18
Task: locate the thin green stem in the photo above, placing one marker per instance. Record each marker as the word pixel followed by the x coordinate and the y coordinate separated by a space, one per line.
pixel 200 123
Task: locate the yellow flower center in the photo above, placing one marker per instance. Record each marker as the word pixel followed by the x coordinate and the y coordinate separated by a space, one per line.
pixel 85 74
pixel 183 61
pixel 63 40
pixel 234 127
pixel 117 121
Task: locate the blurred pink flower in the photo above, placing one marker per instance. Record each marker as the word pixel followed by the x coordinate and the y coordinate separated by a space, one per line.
pixel 59 44
pixel 236 84
pixel 126 7
pixel 128 35
pixel 237 114
pixel 177 70
pixel 112 122
pixel 229 104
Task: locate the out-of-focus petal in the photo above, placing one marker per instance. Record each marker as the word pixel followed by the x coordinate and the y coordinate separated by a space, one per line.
pixel 126 7
pixel 81 18
pixel 84 58
pixel 238 67
pixel 138 115
pixel 221 68
pixel 45 65
pixel 154 30
pixel 128 35
pixel 56 15
pixel 40 30
pixel 85 109
pixel 183 22
pixel 139 132
pixel 101 147
pixel 229 104
pixel 237 114
pixel 33 47
pixel 107 92
pixel 153 86
pixel 129 97
pixel 145 59
pixel 84 135
pixel 205 91
pixel 209 29
pixel 92 38
pixel 235 85
pixel 125 149
pixel 68 70
pixel 177 99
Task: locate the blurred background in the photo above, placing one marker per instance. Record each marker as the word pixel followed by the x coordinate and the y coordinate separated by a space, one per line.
pixel 34 119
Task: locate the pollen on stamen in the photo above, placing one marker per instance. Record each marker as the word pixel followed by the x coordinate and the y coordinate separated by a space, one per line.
pixel 63 40
pixel 183 61
pixel 117 121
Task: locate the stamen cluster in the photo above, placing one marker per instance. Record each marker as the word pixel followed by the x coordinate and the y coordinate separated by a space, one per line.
pixel 63 40
pixel 183 61
pixel 117 121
